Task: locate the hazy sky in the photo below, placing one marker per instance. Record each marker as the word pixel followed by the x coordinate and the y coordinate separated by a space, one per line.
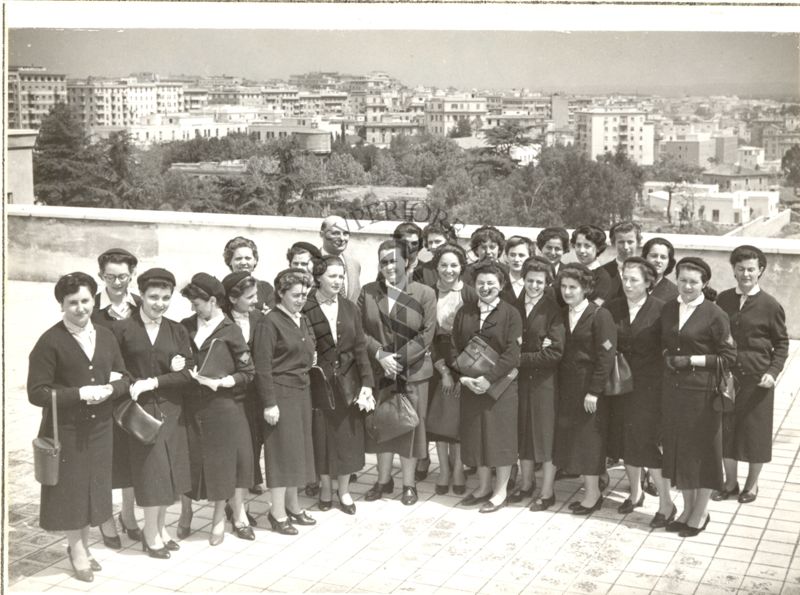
pixel 747 63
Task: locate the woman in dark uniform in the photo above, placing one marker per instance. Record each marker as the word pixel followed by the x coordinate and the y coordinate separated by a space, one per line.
pixel 82 364
pixel 542 347
pixel 157 352
pixel 582 418
pixel 694 333
pixel 517 250
pixel 638 320
pixel 488 425
pixel 220 447
pixel 341 353
pixel 758 325
pixel 283 350
pixel 241 255
pixel 449 262
pixel 661 254
pixel 399 320
pixel 241 301
pixel 589 242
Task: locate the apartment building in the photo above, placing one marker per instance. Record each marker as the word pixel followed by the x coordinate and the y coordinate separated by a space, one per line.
pixel 31 93
pixel 443 113
pixel 122 102
pixel 602 130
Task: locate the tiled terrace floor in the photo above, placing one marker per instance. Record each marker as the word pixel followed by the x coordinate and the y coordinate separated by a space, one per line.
pixel 434 546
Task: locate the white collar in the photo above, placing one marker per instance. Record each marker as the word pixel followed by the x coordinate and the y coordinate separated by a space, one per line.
pixel 694 303
pixel 296 316
pixel 213 321
pixel 534 301
pixel 595 264
pixel 638 304
pixel 105 301
pixel 484 307
pixel 147 320
pixel 329 301
pixel 580 307
pixel 753 291
pixel 74 329
pixel 240 315
pixel 459 285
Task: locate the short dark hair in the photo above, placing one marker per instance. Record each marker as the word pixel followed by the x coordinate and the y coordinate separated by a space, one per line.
pixel 489 267
pixel 538 264
pixel 515 241
pixel 648 245
pixel 553 233
pixel 439 228
pixel 236 291
pixel 322 265
pixel 407 227
pixel 626 227
pixel 748 252
pixel 195 292
pixel 288 278
pixel 236 243
pixel 450 249
pixel 580 273
pixel 395 244
pixel 114 257
pixel 150 283
pixel 72 283
pixel 648 270
pixel 592 233
pixel 487 233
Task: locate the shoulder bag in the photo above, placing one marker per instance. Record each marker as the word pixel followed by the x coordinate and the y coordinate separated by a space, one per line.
pixel 321 393
pixel 47 451
pixel 131 417
pixel 724 387
pixel 620 381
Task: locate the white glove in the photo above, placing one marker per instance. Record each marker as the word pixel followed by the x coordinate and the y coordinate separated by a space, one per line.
pixel 212 383
pixel 366 400
pixel 94 393
pixel 177 363
pixel 142 386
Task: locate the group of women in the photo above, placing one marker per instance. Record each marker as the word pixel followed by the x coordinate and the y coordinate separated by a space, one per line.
pixel 504 352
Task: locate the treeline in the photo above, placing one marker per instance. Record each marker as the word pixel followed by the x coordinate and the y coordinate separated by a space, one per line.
pixel 474 186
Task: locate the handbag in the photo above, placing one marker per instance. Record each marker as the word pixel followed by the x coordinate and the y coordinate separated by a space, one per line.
pixel 725 388
pixel 444 414
pixel 393 416
pixel 47 452
pixel 218 362
pixel 131 417
pixel 321 393
pixel 346 382
pixel 478 359
pixel 620 380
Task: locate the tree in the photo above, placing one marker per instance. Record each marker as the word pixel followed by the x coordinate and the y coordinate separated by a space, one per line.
pixel 790 166
pixel 506 136
pixel 342 168
pixel 384 171
pixel 673 173
pixel 462 129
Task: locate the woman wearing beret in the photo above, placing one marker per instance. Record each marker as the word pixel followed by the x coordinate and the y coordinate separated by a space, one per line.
pixel 582 418
pixel 488 424
pixel 241 300
pixel 116 302
pixel 553 243
pixel 695 333
pixel 589 242
pixel 638 320
pixel 220 447
pixel 399 320
pixel 543 339
pixel 758 325
pixel 661 254
pixel 158 354
pixel 342 354
pixel 303 255
pixel 283 351
pixel 241 255
pixel 81 364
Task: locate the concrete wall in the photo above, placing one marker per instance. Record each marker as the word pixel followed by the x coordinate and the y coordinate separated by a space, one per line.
pixel 763 226
pixel 46 242
pixel 19 167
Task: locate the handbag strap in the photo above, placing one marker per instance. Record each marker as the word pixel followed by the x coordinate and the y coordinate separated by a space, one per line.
pixel 54 409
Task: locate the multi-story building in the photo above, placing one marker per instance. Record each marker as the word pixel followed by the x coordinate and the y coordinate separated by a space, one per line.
pixel 443 113
pixel 602 130
pixel 122 102
pixel 32 93
pixel 195 98
pixel 777 141
pixel 311 133
pixel 695 150
pixel 161 128
pixel 750 157
pixel 731 178
pixel 235 95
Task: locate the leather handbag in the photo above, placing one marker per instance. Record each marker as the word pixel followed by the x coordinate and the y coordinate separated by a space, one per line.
pixel 444 413
pixel 477 359
pixel 131 417
pixel 620 380
pixel 47 452
pixel 321 393
pixel 725 388
pixel 218 362
pixel 393 416
pixel 346 382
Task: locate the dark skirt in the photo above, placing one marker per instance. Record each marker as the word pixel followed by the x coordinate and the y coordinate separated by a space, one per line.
pixel 747 431
pixel 434 394
pixel 338 440
pixel 82 496
pixel 160 471
pixel 489 428
pixel 414 444
pixel 615 432
pixel 220 450
pixel 121 476
pixel 642 423
pixel 536 420
pixel 254 412
pixel 288 445
pixel 692 437
pixel 580 436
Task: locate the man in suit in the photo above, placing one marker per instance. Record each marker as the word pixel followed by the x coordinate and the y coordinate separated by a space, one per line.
pixel 335 236
pixel 626 236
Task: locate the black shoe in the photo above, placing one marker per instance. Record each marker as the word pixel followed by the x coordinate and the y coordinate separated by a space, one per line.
pixel 574 505
pixel 347 508
pixel 243 531
pixel 690 531
pixel 312 488
pixel 628 506
pixel 111 542
pixel 441 490
pixel 472 499
pixel 648 485
pixel 324 505
pixel 172 545
pixel 460 490
pixel 747 496
pixel 519 494
pixel 134 534
pixel 421 472
pixel 487 507
pixel 283 527
pixel 161 553
pixel 675 527
pixel 377 491
pixel 257 489
pixel 85 574
pixel 542 503
pixel 660 521
pixel 723 494
pixel 300 518
pixel 583 510
pixel 409 496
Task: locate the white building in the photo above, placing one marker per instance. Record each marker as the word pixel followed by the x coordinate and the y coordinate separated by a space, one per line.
pixel 122 102
pixel 443 113
pixel 162 128
pixel 32 92
pixel 602 130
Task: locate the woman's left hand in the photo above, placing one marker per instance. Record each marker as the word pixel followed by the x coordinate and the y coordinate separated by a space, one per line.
pixel 481 385
pixel 767 381
pixel 366 400
pixel 212 383
pixel 590 403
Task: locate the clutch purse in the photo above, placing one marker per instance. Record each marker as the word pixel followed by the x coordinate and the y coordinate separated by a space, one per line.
pixel 47 452
pixel 321 393
pixel 620 381
pixel 218 362
pixel 131 417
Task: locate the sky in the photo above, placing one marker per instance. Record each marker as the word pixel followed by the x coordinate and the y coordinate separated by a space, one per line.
pixel 668 63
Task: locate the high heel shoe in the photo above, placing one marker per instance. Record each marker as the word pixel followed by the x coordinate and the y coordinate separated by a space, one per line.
pixel 243 531
pixel 541 504
pixel 660 521
pixel 84 574
pixel 134 534
pixel 347 508
pixel 112 542
pixel 250 518
pixel 284 527
pixel 690 531
pixel 300 518
pixel 161 553
pixel 628 506
pixel 582 510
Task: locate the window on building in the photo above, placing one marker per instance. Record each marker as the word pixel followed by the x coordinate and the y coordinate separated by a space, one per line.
pixel 715 215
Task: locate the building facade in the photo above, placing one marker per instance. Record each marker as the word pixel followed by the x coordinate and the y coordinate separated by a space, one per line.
pixel 32 92
pixel 602 130
pixel 443 113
